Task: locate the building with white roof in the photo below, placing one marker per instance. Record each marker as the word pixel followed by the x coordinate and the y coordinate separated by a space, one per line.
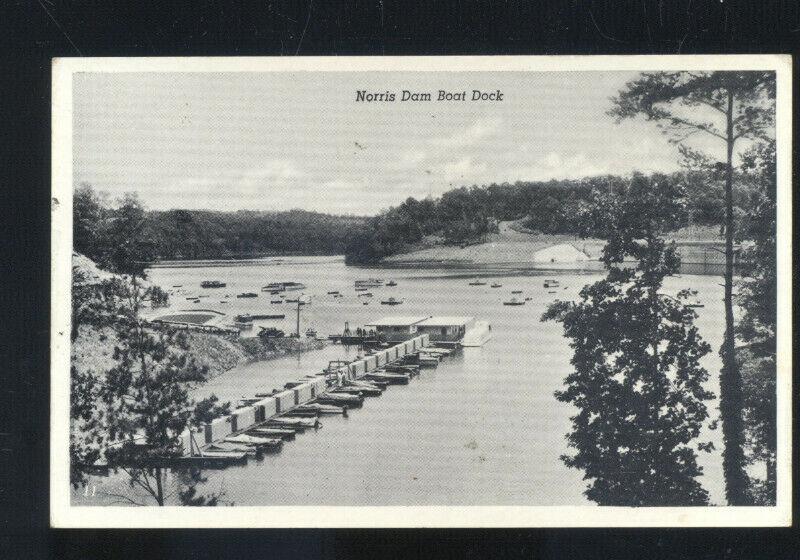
pixel 440 328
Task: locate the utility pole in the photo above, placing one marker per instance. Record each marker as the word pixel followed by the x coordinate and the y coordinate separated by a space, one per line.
pixel 298 316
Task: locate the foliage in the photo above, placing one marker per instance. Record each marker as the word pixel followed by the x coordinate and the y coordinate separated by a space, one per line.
pixel 118 237
pixel 207 409
pixel 757 327
pixel 85 435
pixel 637 381
pixel 271 332
pixel 731 107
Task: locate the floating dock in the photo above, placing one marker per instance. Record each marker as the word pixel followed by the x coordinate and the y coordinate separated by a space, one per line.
pixel 265 423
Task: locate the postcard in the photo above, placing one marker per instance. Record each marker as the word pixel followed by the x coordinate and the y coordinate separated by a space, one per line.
pixel 421 292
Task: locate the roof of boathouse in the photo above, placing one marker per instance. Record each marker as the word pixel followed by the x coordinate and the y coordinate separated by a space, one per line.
pixel 431 321
pixel 446 321
pixel 397 321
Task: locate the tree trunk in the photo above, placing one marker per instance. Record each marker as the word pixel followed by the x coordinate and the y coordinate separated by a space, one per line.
pixel 772 476
pixel 159 488
pixel 731 402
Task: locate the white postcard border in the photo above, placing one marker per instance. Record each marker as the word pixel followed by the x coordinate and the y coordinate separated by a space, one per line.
pixel 65 515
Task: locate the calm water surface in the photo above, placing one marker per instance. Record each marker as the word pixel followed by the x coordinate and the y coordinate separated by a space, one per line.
pixel 482 429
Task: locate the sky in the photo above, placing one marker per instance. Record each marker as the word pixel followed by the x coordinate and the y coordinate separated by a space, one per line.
pixel 277 141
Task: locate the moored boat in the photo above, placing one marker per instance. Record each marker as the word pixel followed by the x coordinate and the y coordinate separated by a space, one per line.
pixel 391 301
pixel 212 284
pixel 340 399
pixel 267 443
pixel 368 283
pixel 272 433
pixel 247 295
pixel 496 285
pixel 322 409
pixel 551 283
pixel 391 378
pixel 276 287
pixel 514 301
pixel 477 282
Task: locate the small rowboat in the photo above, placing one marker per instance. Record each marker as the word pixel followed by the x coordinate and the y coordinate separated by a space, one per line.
pixel 233 456
pixel 268 443
pixel 391 378
pixel 359 390
pixel 322 409
pixel 395 368
pixel 477 282
pixel 496 285
pixel 516 291
pixel 341 399
pixel 296 424
pixel 222 447
pixel 272 433
pixel 514 301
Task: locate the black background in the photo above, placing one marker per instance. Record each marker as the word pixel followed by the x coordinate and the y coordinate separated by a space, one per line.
pixel 34 31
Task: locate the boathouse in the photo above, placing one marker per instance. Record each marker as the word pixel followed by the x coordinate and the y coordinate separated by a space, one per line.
pixel 397 328
pixel 440 329
pixel 445 329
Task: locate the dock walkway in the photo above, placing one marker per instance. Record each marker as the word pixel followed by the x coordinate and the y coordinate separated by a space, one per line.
pixel 262 424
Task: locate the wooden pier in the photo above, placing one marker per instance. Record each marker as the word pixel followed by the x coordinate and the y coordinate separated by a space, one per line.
pixel 266 422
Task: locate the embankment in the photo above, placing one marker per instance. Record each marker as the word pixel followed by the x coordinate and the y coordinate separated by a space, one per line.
pixel 93 350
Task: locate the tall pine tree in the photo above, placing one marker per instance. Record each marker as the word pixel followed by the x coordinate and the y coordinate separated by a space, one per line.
pixel 637 380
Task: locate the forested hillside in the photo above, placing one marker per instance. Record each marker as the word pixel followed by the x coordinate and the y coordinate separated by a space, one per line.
pixel 104 232
pixel 461 216
pixel 465 216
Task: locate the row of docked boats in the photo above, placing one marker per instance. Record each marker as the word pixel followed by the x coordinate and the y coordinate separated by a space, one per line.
pixel 269 435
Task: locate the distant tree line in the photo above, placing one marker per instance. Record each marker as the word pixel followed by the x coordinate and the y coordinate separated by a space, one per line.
pixel 467 215
pixel 103 231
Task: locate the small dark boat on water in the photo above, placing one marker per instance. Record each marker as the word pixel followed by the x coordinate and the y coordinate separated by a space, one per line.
pixel 272 433
pixel 212 284
pixel 391 301
pixel 341 399
pixel 516 291
pixel 296 424
pixel 551 283
pixel 276 301
pixel 360 390
pixel 247 295
pixel 333 293
pixel 477 282
pixel 268 316
pixel 391 378
pixel 496 285
pixel 321 409
pixel 514 301
pixel 391 283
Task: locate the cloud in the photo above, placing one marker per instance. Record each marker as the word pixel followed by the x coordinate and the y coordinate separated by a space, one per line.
pixel 463 170
pixel 470 135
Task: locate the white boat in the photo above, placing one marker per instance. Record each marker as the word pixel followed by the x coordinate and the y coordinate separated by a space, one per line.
pixel 283 287
pixel 369 283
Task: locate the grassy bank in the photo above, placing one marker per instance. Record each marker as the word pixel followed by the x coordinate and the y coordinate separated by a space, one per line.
pixel 515 244
pixel 93 350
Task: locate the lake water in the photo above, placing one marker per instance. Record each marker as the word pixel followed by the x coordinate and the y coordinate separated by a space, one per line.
pixel 482 429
